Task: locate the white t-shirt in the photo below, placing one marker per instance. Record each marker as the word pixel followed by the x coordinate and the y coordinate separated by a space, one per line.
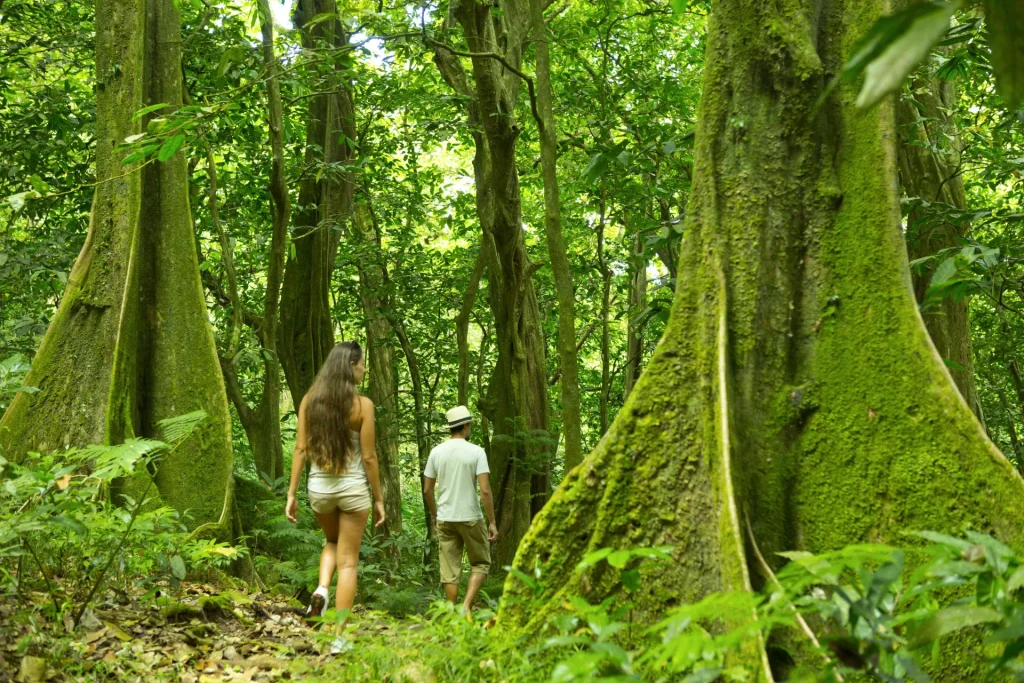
pixel 455 465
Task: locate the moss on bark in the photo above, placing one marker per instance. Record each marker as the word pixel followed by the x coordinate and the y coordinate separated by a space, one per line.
pixel 823 397
pixel 131 343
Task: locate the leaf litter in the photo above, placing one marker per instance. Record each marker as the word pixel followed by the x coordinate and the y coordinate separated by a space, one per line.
pixel 199 634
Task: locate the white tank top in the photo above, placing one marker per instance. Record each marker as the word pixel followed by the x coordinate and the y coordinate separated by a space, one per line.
pixel 327 482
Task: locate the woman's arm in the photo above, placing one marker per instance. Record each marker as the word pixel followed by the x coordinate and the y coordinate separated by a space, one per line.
pixel 291 510
pixel 367 436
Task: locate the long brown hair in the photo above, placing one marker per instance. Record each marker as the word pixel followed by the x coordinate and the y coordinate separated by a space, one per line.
pixel 328 407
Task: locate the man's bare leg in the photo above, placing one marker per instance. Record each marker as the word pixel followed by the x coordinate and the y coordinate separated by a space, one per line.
pixel 451 591
pixel 476 581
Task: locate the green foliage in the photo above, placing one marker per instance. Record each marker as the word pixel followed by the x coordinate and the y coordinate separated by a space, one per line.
pixel 12 373
pixel 894 46
pixel 64 527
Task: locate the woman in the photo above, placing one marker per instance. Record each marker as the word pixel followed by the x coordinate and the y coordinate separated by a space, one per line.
pixel 336 432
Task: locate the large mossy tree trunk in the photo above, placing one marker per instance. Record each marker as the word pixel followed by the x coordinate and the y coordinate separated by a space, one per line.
pixel 517 394
pixel 930 159
pixel 131 342
pixel 796 381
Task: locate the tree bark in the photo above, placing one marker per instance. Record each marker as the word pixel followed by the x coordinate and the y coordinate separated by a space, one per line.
pixel 517 396
pixel 606 288
pixel 570 383
pixel 930 155
pixel 462 326
pixel 262 424
pixel 131 342
pixel 422 440
pixel 366 246
pixel 637 304
pixel 796 381
pixel 307 331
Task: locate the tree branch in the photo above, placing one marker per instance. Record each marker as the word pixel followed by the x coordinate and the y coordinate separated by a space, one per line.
pixel 501 60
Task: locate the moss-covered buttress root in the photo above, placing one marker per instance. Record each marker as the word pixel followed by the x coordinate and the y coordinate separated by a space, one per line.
pixel 131 343
pixel 831 408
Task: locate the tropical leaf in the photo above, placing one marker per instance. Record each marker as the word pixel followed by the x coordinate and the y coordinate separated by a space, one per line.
pixel 176 429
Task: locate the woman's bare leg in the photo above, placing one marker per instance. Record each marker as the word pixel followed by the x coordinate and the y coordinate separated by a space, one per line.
pixel 350 536
pixel 328 556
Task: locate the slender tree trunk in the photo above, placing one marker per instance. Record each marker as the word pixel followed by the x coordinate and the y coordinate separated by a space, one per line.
pixel 262 424
pixel 131 343
pixel 422 440
pixel 570 383
pixel 669 251
pixel 606 288
pixel 462 326
pixel 366 246
pixel 796 381
pixel 930 156
pixel 1011 425
pixel 637 304
pixel 485 431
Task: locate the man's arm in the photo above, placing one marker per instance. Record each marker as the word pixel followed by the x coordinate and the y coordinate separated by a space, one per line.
pixel 428 496
pixel 488 500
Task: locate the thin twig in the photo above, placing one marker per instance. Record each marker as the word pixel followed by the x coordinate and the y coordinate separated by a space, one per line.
pixel 46 577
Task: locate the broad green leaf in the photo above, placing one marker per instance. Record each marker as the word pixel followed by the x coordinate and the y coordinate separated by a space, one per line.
pixel 704 675
pixel 131 139
pixel 1005 22
pixel 1016 580
pixel 146 110
pixel 903 51
pixel 170 147
pixel 17 201
pixel 951 619
pixel 178 567
pixel 942 539
pixel 320 18
pixel 593 558
pixel 619 558
pixel 596 168
pixel 630 579
pixel 70 523
pixel 945 272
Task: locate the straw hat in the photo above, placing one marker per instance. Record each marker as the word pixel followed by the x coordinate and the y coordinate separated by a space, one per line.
pixel 458 416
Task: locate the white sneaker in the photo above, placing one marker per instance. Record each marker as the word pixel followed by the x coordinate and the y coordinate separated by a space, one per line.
pixel 341 645
pixel 317 603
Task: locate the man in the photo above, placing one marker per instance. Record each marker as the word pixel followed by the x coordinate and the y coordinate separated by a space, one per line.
pixel 457 466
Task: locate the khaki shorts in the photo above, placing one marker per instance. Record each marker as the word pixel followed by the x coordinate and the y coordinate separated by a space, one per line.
pixel 452 537
pixel 352 499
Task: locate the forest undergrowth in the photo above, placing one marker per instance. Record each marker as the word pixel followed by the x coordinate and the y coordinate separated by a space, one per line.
pixel 103 592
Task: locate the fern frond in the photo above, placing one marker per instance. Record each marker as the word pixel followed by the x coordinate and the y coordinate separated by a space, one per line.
pixel 176 429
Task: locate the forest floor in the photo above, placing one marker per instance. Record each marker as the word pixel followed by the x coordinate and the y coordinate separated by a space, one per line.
pixel 202 634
